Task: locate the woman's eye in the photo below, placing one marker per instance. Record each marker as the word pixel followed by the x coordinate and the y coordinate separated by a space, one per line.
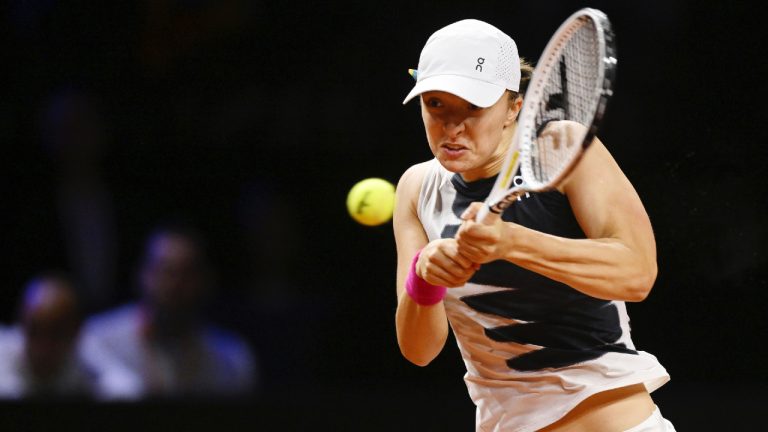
pixel 434 103
pixel 473 107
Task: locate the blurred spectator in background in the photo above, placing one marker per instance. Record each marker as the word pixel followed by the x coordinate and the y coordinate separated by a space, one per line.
pixel 74 136
pixel 161 347
pixel 38 358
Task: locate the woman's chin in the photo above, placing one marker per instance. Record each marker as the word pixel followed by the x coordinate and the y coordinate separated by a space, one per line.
pixel 454 165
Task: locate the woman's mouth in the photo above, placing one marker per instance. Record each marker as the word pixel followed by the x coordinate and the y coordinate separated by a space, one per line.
pixel 453 150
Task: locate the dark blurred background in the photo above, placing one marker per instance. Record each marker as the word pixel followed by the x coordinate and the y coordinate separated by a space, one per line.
pixel 253 119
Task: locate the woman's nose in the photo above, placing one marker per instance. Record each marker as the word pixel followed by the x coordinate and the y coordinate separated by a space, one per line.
pixel 453 126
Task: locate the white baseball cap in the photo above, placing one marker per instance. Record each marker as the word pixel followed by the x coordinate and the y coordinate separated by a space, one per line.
pixel 470 59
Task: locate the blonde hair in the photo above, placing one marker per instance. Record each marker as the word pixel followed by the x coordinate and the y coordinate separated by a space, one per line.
pixel 526 71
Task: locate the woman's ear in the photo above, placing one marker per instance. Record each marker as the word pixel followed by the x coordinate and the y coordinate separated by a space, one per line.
pixel 513 111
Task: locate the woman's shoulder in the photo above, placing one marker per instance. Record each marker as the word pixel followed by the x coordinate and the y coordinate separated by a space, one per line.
pixel 417 171
pixel 431 169
pixel 411 180
pixel 412 183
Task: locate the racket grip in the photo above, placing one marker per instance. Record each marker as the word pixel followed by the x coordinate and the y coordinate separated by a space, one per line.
pixel 483 213
pixel 486 216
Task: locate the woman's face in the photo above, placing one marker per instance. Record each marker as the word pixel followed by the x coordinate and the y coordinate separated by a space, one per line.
pixel 467 139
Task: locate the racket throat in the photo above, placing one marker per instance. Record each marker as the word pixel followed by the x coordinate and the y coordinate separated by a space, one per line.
pixel 507 201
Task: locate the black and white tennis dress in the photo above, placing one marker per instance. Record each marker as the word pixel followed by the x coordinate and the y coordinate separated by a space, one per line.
pixel 533 347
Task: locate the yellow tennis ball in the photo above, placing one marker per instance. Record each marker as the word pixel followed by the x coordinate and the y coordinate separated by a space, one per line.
pixel 371 201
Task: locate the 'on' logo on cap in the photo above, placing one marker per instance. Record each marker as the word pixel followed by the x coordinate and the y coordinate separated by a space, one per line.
pixel 480 62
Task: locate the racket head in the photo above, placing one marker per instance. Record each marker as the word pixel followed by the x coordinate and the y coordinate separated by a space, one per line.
pixel 572 83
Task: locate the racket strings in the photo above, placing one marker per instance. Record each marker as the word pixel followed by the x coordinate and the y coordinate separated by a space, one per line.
pixel 568 94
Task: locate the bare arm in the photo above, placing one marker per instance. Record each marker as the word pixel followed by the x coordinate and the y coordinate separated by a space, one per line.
pixel 422 330
pixel 617 261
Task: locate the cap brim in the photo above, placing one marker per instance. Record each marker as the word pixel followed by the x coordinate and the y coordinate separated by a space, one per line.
pixel 476 92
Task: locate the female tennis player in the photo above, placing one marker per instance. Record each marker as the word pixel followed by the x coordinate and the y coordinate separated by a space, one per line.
pixel 536 300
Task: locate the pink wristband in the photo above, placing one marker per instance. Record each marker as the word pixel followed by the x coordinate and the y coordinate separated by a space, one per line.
pixel 421 291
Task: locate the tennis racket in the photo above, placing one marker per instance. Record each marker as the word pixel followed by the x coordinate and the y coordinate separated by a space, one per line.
pixel 562 110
